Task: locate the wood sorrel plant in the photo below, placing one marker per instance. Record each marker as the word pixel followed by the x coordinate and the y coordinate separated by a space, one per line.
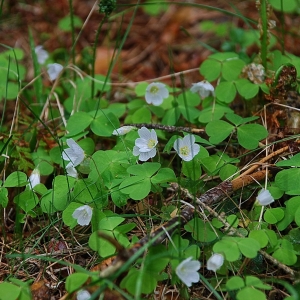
pixel 150 186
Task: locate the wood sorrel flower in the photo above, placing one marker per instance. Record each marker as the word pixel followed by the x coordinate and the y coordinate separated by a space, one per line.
pixel 203 88
pixel 71 171
pixel 54 70
pixel 83 295
pixel 83 215
pixel 145 144
pixel 215 262
pixel 265 198
pixel 187 271
pixel 156 92
pixel 186 147
pixel 41 54
pixel 74 154
pixel 34 178
pixel 123 130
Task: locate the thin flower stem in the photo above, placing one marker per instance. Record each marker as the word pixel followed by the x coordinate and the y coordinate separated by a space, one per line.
pixel 169 128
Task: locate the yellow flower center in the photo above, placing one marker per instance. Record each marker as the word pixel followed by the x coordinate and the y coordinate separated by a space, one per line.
pixel 151 144
pixel 154 89
pixel 184 150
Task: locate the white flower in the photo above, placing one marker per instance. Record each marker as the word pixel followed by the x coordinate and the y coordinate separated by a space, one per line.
pixel 54 70
pixel 83 295
pixel 71 171
pixel 41 54
pixel 34 178
pixel 156 92
pixel 187 271
pixel 123 130
pixel 204 88
pixel 83 215
pixel 215 262
pixel 265 198
pixel 145 144
pixel 186 147
pixel 74 154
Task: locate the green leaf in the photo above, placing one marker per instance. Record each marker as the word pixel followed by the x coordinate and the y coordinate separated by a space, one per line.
pixel 248 247
pixel 246 89
pixel 249 293
pixel 211 69
pixel 104 125
pixel 10 291
pixel 260 236
pixel 75 281
pixel 225 92
pixel 42 159
pixel 257 283
pixel 286 221
pixel 67 214
pixel 227 171
pixel 273 215
pixel 102 246
pixel 3 197
pixel 84 191
pixel 142 115
pixel 139 280
pixel 213 113
pixel 16 179
pixel 285 253
pixel 164 175
pixel 234 283
pixel 249 135
pixel 65 23
pixel 289 181
pixel 109 161
pixel 294 161
pixel 27 200
pixel 110 222
pixel 297 216
pixel 136 187
pixel 145 170
pixel 78 122
pixel 228 247
pixel 191 169
pixel 171 116
pixel 201 231
pixel 232 69
pixel 285 6
pixel 140 89
pixel 218 131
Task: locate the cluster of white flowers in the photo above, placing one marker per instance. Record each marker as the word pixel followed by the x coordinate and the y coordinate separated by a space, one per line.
pixel 156 92
pixel 53 70
pixel 75 156
pixel 145 145
pixel 187 269
pixel 265 198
